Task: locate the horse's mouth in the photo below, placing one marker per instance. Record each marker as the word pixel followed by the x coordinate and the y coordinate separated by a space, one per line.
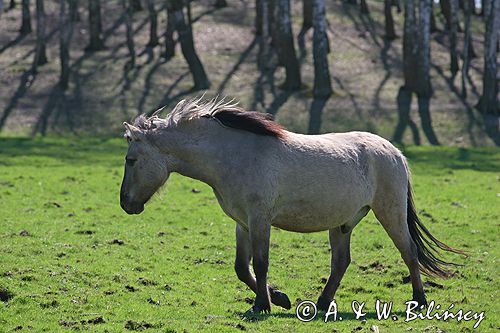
pixel 132 208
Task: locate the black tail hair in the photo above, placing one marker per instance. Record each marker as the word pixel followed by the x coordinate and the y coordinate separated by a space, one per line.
pixel 427 244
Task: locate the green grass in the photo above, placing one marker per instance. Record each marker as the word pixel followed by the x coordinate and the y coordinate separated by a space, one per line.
pixel 70 256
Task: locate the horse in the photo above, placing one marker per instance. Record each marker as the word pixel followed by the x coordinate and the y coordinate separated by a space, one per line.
pixel 263 175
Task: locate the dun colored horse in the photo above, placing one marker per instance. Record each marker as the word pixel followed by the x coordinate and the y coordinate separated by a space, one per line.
pixel 264 175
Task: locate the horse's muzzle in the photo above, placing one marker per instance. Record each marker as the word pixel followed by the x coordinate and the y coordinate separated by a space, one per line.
pixel 130 207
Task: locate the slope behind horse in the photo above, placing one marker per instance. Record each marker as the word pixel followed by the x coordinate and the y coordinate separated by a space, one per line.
pixel 263 176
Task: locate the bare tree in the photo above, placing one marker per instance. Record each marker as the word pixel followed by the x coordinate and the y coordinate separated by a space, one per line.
pixel 128 10
pixel 468 5
pixel 136 5
pixel 364 7
pixel 95 26
pixel 12 4
pixel 185 34
pixel 390 33
pixel 40 50
pixel 307 14
pixel 26 18
pixel 153 23
pixel 66 32
pixel 488 104
pixel 169 33
pixel 453 37
pixel 416 68
pixel 285 46
pixel 322 82
pixel 220 3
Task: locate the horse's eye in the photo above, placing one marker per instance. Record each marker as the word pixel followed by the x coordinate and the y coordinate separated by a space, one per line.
pixel 130 161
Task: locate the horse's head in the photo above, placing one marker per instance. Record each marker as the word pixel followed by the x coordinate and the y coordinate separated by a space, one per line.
pixel 145 171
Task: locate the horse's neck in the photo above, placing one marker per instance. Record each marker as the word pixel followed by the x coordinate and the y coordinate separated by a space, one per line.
pixel 207 154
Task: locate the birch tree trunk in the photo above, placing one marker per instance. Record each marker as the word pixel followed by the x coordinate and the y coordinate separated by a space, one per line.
pixel 187 46
pixel 40 49
pixel 322 82
pixel 95 26
pixel 26 18
pixel 66 32
pixel 153 23
pixel 169 33
pixel 286 46
pixel 390 33
pixel 424 90
pixel 488 104
pixel 128 10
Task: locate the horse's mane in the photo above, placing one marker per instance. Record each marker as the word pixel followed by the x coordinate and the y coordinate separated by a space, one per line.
pixel 227 113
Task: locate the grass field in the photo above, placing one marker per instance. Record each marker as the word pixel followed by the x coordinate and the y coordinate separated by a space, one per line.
pixel 71 259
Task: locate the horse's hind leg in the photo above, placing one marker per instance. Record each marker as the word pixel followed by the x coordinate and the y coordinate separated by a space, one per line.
pixel 393 219
pixel 242 268
pixel 341 258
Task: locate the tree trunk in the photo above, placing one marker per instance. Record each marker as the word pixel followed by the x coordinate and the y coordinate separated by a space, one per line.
pixel 433 20
pixel 286 46
pixel 258 17
pixel 322 82
pixel 40 50
pixel 390 33
pixel 468 5
pixel 169 33
pixel 364 7
pixel 307 14
pixel 187 46
pixel 453 37
pixel 95 26
pixel 262 57
pixel 446 11
pixel 136 5
pixel 128 10
pixel 153 24
pixel 220 3
pixel 66 31
pixel 26 18
pixel 12 4
pixel 410 49
pixel 424 90
pixel 488 104
pixel 403 101
pixel 73 11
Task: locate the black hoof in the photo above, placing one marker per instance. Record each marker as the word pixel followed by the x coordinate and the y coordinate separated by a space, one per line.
pixel 420 299
pixel 280 299
pixel 323 303
pixel 261 305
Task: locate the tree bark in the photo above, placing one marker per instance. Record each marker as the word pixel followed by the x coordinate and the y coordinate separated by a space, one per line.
pixel 364 7
pixel 258 17
pixel 220 3
pixel 136 5
pixel 488 104
pixel 40 50
pixel 73 11
pixel 286 46
pixel 26 18
pixel 307 14
pixel 390 33
pixel 12 4
pixel 468 5
pixel 128 10
pixel 95 26
pixel 446 11
pixel 169 33
pixel 66 32
pixel 453 37
pixel 153 24
pixel 424 90
pixel 322 82
pixel 187 46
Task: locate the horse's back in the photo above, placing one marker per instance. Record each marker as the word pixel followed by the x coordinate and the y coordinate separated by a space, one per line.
pixel 326 180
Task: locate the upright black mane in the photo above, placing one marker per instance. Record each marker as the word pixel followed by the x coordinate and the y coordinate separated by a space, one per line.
pixel 251 121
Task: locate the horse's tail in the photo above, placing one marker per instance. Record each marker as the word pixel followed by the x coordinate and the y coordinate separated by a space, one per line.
pixel 427 244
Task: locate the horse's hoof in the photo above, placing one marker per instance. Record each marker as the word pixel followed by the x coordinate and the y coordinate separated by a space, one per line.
pixel 323 304
pixel 420 299
pixel 260 305
pixel 280 299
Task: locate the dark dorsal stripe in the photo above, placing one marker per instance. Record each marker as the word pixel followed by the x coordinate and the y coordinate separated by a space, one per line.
pixel 251 121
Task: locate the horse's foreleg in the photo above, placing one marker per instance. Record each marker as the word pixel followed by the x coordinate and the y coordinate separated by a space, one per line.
pixel 341 258
pixel 242 268
pixel 260 232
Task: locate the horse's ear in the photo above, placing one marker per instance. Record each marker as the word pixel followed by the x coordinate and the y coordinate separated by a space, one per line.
pixel 132 132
